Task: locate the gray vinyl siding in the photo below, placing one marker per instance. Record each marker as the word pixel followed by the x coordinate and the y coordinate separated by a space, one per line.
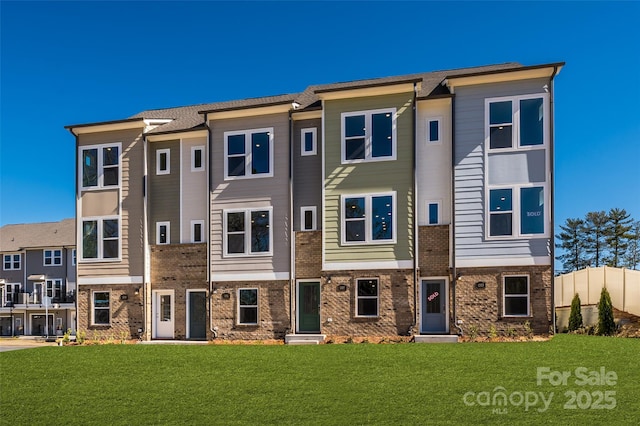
pixel 13 276
pixel 131 205
pixel 35 266
pixel 251 193
pixel 520 167
pixel 469 174
pixel 307 173
pixel 164 191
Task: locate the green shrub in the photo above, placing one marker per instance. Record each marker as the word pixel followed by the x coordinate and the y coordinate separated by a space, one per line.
pixel 575 317
pixel 606 324
pixel 528 331
pixel 493 333
pixel 473 332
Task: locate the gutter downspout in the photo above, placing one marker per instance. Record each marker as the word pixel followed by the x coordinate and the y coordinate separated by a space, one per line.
pixel 292 235
pixel 213 329
pixel 75 238
pixel 146 285
pixel 551 178
pixel 416 258
pixel 454 273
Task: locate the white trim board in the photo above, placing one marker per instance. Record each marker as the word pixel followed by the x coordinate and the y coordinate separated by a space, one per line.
pixel 255 276
pixel 388 264
pixel 109 280
pixel 504 261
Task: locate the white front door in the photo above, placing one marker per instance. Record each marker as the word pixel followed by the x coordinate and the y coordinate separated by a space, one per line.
pixel 163 314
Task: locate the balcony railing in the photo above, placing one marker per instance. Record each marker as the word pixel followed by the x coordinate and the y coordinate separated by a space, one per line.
pixel 13 299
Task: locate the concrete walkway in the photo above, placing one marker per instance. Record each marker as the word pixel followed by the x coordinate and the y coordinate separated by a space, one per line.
pixel 28 342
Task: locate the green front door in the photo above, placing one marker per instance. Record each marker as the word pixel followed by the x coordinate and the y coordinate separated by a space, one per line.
pixel 309 307
pixel 197 315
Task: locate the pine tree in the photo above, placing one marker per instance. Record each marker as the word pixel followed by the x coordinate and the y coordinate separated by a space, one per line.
pixel 572 242
pixel 575 317
pixel 632 255
pixel 595 233
pixel 606 324
pixel 617 235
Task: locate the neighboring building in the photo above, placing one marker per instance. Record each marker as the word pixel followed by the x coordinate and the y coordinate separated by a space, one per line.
pixel 38 278
pixel 414 204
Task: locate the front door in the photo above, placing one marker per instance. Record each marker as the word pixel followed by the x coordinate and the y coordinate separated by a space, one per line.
pixel 163 317
pixel 197 315
pixel 434 311
pixel 39 325
pixel 309 307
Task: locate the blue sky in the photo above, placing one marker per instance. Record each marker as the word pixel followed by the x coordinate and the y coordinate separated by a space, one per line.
pixel 75 62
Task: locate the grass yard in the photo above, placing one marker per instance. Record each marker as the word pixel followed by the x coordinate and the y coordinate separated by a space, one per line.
pixel 399 384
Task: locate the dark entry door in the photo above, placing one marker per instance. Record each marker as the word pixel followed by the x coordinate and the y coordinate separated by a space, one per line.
pixel 309 307
pixel 434 312
pixel 197 315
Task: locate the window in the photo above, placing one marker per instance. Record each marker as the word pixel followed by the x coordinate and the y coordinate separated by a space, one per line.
pixel 433 212
pixel 100 239
pixel 248 306
pixel 516 296
pixel 54 288
pixel 516 122
pixel 369 136
pixel 197 158
pixel 367 298
pixel 163 159
pixel 308 218
pixel 506 205
pixel 247 232
pixel 368 219
pixel 52 257
pixel 308 141
pixel 12 292
pixel 248 154
pixel 100 166
pixel 163 232
pixel 197 231
pixel 73 257
pixel 433 130
pixel 101 308
pixel 11 261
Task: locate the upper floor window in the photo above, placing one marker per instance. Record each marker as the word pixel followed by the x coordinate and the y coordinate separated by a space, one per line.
pixel 248 232
pixel 308 218
pixel 369 135
pixel 52 257
pixel 100 166
pixel 73 257
pixel 197 158
pixel 433 130
pixel 197 231
pixel 516 122
pixel 11 261
pixel 163 161
pixel 12 291
pixel 368 219
pixel 308 141
pixel 163 233
pixel 517 211
pixel 100 238
pixel 433 212
pixel 54 288
pixel 248 154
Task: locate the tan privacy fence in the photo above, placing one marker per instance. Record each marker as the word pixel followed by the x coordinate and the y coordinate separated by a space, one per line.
pixel 623 286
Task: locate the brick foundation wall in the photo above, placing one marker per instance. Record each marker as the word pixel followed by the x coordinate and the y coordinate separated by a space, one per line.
pixel 483 307
pixel 308 254
pixel 273 313
pixel 179 267
pixel 126 315
pixel 433 247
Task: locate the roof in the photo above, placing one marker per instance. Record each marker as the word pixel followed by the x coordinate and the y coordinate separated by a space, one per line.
pixel 192 117
pixel 35 235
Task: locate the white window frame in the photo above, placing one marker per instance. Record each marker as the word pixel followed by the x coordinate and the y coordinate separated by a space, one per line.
pixel 247 153
pixel 160 224
pixel 52 256
pixel 10 289
pixel 193 229
pixel 376 297
pixel 439 218
pixel 247 232
pixel 515 122
pixel 74 258
pixel 367 219
pixel 93 308
pixel 100 239
pixel 516 232
pixel 438 141
pixel 53 286
pixel 314 139
pixel 257 306
pixel 100 166
pixel 303 211
pixel 368 136
pixel 193 158
pixel 504 296
pixel 12 261
pixel 159 153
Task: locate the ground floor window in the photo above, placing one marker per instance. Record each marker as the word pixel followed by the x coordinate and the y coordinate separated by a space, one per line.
pixel 367 298
pixel 101 308
pixel 248 306
pixel 516 296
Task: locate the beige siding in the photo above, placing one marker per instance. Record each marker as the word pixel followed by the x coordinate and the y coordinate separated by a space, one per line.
pixel 248 193
pixel 101 203
pixel 194 199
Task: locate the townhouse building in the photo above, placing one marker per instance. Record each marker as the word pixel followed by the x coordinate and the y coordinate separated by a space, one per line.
pixel 410 205
pixel 38 279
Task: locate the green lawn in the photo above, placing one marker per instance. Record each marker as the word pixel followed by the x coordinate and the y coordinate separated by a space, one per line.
pixel 350 384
